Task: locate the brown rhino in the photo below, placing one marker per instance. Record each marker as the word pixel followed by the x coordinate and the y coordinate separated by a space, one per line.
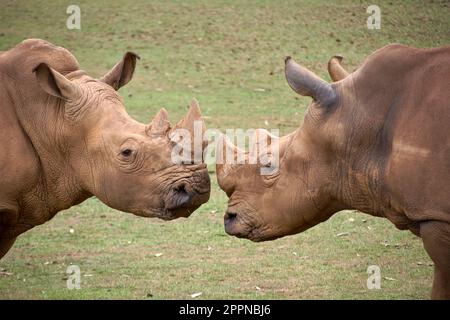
pixel 66 137
pixel 377 140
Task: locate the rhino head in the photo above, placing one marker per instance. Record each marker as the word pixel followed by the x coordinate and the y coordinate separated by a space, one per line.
pixel 299 194
pixel 126 164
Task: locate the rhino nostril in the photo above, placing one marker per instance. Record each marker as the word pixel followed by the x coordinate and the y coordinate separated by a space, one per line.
pixel 180 196
pixel 180 189
pixel 229 216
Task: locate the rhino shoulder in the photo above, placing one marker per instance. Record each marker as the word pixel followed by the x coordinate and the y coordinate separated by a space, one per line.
pixel 25 56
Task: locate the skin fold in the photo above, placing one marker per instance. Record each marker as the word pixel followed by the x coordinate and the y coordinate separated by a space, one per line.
pixel 376 140
pixel 66 137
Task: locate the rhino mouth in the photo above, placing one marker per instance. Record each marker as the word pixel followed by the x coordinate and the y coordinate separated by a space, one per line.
pixel 183 209
pixel 242 224
pixel 170 214
pixel 236 224
pixel 177 213
pixel 185 196
pixel 180 200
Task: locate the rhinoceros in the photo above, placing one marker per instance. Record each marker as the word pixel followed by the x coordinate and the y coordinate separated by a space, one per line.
pixel 376 140
pixel 66 137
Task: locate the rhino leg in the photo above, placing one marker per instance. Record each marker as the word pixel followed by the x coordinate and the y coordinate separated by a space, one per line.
pixel 5 245
pixel 436 240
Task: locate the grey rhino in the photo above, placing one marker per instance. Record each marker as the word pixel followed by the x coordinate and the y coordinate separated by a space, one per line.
pixel 376 140
pixel 67 137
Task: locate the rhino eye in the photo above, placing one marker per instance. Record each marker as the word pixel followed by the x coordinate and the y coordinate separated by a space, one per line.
pixel 126 152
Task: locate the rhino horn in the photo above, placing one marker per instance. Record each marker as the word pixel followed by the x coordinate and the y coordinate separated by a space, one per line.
pixel 261 144
pixel 227 155
pixel 306 83
pixel 193 115
pixel 160 125
pixel 335 69
pixel 193 125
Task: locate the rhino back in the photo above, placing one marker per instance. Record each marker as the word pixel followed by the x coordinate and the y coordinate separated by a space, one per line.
pixel 407 91
pixel 19 166
pixel 20 96
pixel 20 61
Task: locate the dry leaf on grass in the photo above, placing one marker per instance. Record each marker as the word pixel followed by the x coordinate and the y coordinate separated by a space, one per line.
pixel 196 294
pixel 389 279
pixel 342 234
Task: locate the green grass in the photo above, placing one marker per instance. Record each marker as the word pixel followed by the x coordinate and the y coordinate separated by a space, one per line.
pixel 218 52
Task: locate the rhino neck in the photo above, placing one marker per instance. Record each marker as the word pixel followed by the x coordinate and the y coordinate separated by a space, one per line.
pixel 359 186
pixel 56 186
pixel 362 134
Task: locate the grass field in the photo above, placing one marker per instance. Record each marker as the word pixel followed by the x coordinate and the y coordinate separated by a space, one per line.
pixel 229 55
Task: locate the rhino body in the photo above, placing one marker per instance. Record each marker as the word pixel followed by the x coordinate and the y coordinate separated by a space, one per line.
pixel 377 140
pixel 66 137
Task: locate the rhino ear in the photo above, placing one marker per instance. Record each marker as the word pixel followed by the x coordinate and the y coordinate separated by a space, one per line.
pixel 306 83
pixel 122 72
pixel 335 69
pixel 54 83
